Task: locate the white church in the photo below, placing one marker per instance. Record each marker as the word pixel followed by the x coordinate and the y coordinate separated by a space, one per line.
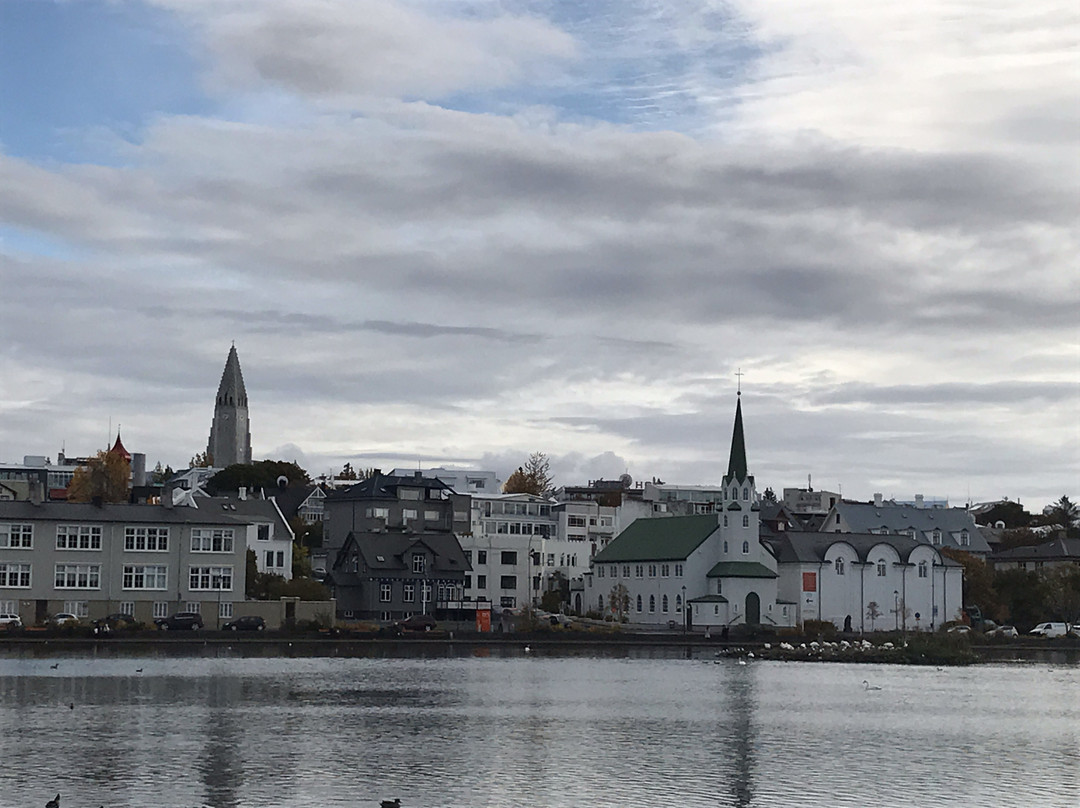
pixel 715 570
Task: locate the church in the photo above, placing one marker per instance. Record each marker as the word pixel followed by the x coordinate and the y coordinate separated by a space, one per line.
pixel 230 432
pixel 706 570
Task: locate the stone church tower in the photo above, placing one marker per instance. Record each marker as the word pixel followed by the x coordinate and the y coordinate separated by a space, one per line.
pixel 230 435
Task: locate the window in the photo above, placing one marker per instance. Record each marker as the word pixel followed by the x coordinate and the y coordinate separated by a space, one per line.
pixel 652 603
pixel 746 521
pixel 195 607
pixel 77 576
pixel 725 520
pixel 481 582
pixel 639 603
pixel 965 539
pixel 746 493
pixel 385 592
pixel 481 556
pixel 508 582
pixel 225 609
pixel 664 604
pixel 15 575
pixel 746 548
pixel 263 532
pixel 678 603
pixel 600 602
pixel 551 560
pixel 605 521
pixel 575 521
pixel 881 568
pixel 600 571
pixel 639 570
pixel 161 608
pixel 280 559
pixel 678 570
pixel 418 564
pixel 468 555
pixel 211 540
pixel 936 536
pixel 408 593
pixel 16 537
pixel 626 571
pixel 214 579
pixel 409 513
pixel 468 581
pixel 145 576
pixel 507 601
pixel 410 493
pixel 147 539
pixel 269 558
pixel 127 607
pixel 652 570
pixel 79 608
pixel 508 557
pixel 665 570
pixel 725 547
pixel 839 565
pixel 431 516
pixel 922 569
pixel 78 537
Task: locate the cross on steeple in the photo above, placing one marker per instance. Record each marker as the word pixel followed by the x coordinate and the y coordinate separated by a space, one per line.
pixel 738 385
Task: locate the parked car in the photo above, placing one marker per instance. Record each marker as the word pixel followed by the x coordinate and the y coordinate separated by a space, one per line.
pixel 1049 630
pixel 960 628
pixel 179 621
pixel 113 622
pixel 63 618
pixel 10 622
pixel 418 622
pixel 247 622
pixel 1004 631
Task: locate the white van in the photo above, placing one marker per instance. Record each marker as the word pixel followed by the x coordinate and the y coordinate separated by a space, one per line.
pixel 1050 630
pixel 10 621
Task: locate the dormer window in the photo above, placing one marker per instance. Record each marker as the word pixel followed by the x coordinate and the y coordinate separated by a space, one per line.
pixel 418 564
pixel 965 539
pixel 935 537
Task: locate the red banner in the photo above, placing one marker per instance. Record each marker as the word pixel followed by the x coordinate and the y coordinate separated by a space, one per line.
pixel 483 619
pixel 809 582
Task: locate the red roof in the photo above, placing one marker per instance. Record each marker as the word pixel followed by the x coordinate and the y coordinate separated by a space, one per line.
pixel 118 448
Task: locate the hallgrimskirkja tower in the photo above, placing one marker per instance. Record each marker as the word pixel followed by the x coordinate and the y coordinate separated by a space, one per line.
pixel 230 434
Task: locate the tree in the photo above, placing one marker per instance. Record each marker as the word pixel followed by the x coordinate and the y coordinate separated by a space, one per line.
pixel 105 476
pixel 1023 597
pixel 1065 513
pixel 348 472
pixel 873 612
pixel 1011 513
pixel 769 495
pixel 619 602
pixel 532 478
pixel 261 474
pixel 1062 588
pixel 978 582
pixel 202 460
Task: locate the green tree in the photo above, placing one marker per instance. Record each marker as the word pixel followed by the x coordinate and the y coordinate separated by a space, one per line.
pixel 1065 513
pixel 873 612
pixel 1019 537
pixel 1023 597
pixel 261 474
pixel 1011 513
pixel 348 472
pixel 978 586
pixel 1061 585
pixel 532 478
pixel 107 476
pixel 202 460
pixel 301 561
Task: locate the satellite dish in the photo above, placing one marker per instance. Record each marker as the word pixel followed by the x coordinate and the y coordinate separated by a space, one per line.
pixel 282 481
pixel 626 480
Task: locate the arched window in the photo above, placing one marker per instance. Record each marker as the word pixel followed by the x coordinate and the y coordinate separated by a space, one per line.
pixel 663 604
pixel 839 566
pixel 725 547
pixel 746 521
pixel 746 493
pixel 639 603
pixel 881 568
pixel 652 603
pixel 600 603
pixel 725 520
pixel 678 603
pixel 922 569
pixel 746 548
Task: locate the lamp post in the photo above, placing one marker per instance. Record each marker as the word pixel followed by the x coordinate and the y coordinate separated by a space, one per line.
pixel 896 608
pixel 686 610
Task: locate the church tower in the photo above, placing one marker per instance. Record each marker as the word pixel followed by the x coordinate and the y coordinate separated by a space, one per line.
pixel 230 435
pixel 740 517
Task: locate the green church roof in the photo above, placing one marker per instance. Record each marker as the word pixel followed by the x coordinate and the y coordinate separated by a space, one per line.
pixel 665 539
pixel 740 569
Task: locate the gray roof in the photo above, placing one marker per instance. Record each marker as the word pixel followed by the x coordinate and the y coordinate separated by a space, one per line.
pixel 862 517
pixel 1056 550
pixel 124 513
pixel 384 486
pixel 387 551
pixel 810 548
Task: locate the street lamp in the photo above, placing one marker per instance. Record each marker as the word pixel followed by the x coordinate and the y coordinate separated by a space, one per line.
pixel 896 608
pixel 686 610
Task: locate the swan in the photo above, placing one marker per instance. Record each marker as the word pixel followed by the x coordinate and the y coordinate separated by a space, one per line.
pixel 394 803
pixel 54 802
pixel 867 686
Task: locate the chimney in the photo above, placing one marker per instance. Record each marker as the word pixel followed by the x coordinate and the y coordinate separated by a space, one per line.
pixel 919 501
pixel 878 497
pixel 36 494
pixel 167 495
pixel 242 493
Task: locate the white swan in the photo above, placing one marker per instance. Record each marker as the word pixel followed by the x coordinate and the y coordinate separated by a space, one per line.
pixel 867 686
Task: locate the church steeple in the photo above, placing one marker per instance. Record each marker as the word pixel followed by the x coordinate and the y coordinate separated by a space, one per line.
pixel 737 460
pixel 230 438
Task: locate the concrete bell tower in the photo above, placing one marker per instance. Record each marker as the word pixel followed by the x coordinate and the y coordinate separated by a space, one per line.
pixel 230 434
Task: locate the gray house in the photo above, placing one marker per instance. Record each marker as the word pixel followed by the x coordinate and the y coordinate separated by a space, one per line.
pixel 392 548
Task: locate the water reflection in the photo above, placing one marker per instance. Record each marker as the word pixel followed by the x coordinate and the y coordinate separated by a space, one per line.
pixel 225 730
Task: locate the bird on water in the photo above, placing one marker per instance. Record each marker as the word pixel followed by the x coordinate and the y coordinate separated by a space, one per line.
pixel 54 802
pixel 394 803
pixel 867 686
pixel 54 667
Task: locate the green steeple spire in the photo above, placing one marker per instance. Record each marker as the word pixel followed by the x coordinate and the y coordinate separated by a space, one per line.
pixel 737 462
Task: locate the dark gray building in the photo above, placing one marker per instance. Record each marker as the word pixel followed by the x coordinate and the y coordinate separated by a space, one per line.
pixel 393 549
pixel 230 433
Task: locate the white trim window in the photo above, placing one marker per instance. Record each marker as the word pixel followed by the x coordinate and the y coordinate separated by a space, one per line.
pixel 141 539
pixel 16 537
pixel 79 608
pixel 881 568
pixel 127 607
pixel 418 564
pixel 225 609
pixel 213 579
pixel 678 570
pixel 78 537
pixel 923 570
pixel 145 576
pixel 408 592
pixel 77 576
pixel 386 592
pixel 14 576
pixel 161 608
pixel 212 540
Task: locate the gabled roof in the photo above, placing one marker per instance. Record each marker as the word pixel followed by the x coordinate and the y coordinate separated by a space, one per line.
pixel 391 552
pixel 291 498
pixel 1056 550
pixel 669 539
pixel 740 569
pixel 384 486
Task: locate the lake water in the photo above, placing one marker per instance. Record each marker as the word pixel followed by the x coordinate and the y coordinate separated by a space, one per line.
pixel 228 727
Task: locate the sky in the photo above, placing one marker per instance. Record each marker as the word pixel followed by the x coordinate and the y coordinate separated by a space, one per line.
pixel 454 233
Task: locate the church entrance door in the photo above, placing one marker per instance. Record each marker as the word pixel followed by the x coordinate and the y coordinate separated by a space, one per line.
pixel 753 609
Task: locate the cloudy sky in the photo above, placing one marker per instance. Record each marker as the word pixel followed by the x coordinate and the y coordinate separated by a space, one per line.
pixel 453 233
